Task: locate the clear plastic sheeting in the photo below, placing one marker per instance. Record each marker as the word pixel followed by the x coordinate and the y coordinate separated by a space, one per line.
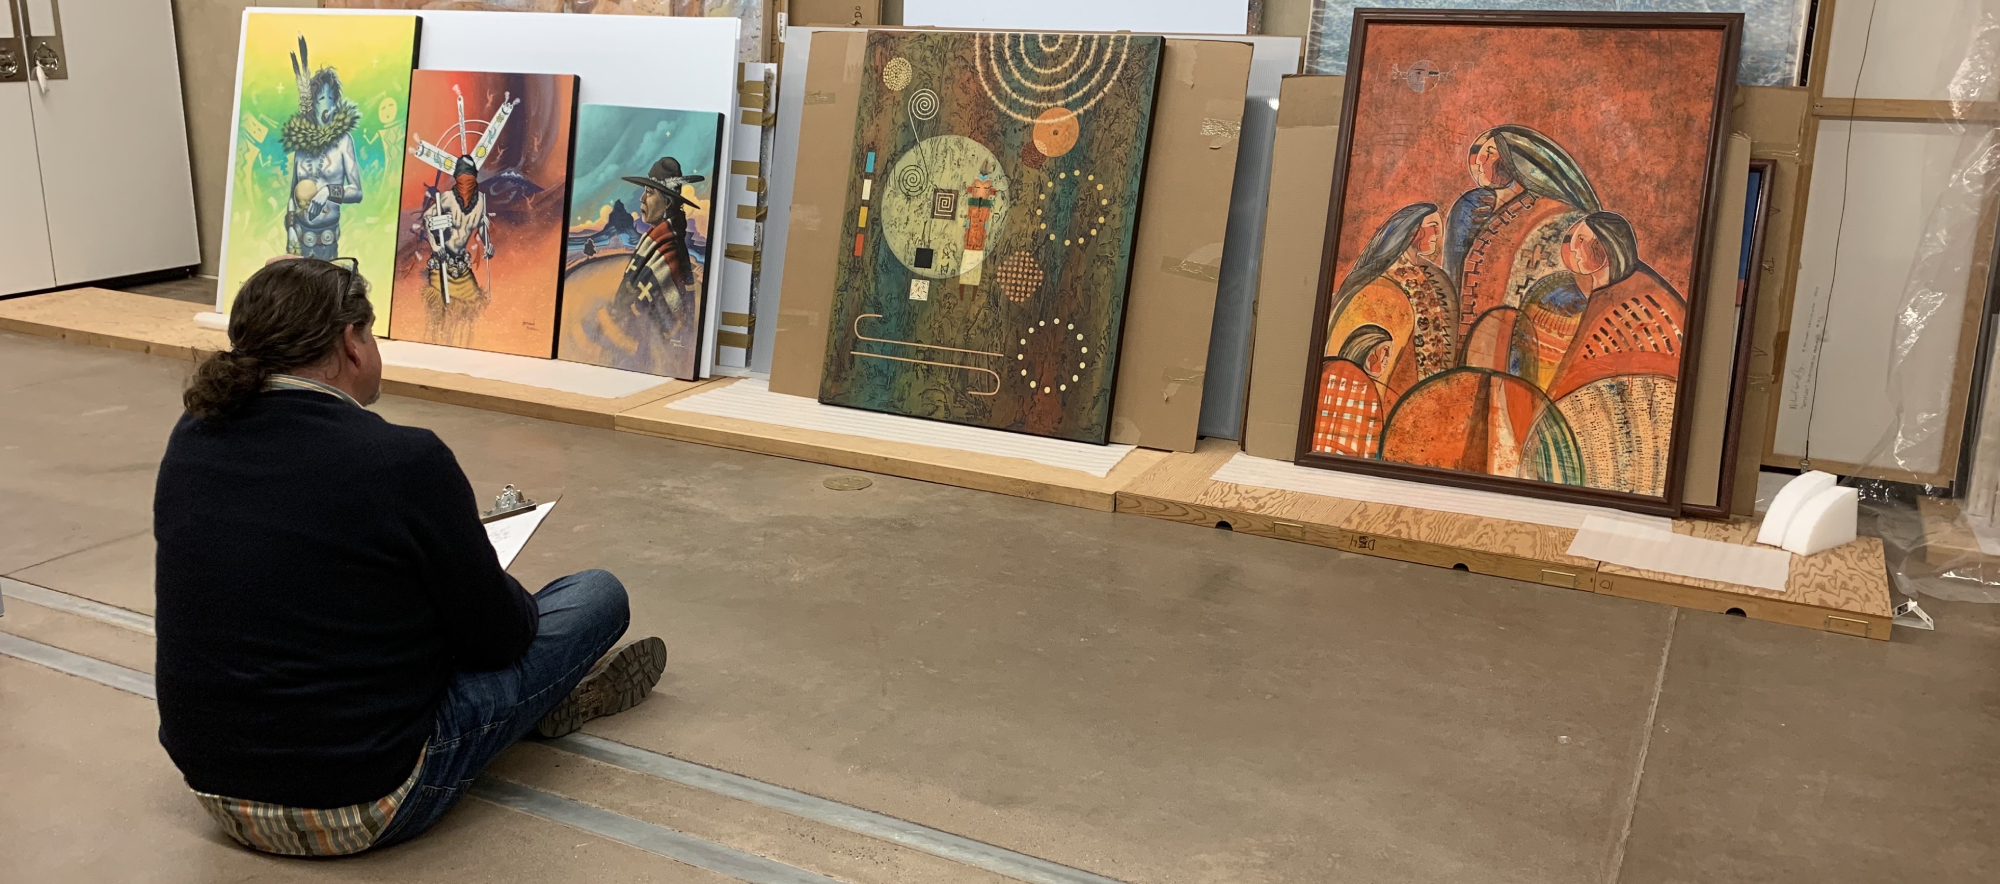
pixel 1934 371
pixel 1897 238
pixel 1956 249
pixel 1931 547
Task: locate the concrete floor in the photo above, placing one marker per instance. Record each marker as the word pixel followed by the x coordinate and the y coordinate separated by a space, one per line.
pixel 1148 701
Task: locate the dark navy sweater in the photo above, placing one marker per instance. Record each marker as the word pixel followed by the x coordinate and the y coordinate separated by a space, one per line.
pixel 321 575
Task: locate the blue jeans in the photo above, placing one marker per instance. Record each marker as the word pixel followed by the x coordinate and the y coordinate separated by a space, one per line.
pixel 483 713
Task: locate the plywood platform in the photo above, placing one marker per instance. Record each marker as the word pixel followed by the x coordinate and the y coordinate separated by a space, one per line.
pixel 984 472
pixel 163 327
pixel 1845 590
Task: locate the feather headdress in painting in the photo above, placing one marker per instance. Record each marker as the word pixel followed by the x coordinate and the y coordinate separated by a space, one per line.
pixel 304 132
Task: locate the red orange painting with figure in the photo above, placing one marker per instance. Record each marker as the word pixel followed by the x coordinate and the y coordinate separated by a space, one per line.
pixel 1518 234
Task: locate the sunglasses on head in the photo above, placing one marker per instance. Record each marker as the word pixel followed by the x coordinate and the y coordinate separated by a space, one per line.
pixel 351 266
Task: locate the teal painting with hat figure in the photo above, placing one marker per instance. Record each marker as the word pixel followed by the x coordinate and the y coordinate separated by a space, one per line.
pixel 987 236
pixel 636 259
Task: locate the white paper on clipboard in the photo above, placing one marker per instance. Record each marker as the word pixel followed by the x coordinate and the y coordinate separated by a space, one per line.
pixel 510 535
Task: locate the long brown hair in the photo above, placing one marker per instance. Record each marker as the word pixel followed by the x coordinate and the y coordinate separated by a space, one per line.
pixel 287 316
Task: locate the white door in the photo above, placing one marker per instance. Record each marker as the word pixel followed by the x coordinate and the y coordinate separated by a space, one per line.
pixel 113 140
pixel 25 264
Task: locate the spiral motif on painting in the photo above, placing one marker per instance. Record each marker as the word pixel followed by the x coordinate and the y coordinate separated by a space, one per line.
pixel 923 104
pixel 911 179
pixel 1027 74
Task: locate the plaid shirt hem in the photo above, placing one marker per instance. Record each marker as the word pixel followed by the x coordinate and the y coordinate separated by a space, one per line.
pixel 297 831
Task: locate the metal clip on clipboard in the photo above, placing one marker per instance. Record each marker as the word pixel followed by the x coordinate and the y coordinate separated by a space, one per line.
pixel 509 502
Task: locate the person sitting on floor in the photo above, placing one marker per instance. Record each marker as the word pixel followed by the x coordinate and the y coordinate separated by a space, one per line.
pixel 340 652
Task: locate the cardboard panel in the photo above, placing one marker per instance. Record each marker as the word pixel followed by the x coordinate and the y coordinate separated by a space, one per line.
pixel 1294 235
pixel 1228 384
pixel 1197 127
pixel 836 13
pixel 1715 370
pixel 1775 120
pixel 819 190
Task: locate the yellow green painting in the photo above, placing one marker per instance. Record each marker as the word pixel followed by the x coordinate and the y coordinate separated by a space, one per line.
pixel 321 105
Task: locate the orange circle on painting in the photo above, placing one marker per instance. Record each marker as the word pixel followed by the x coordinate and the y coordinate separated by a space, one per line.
pixel 1055 131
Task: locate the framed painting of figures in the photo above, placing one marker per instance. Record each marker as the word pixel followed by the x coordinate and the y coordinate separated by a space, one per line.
pixel 988 228
pixel 1517 237
pixel 479 253
pixel 635 264
pixel 1774 31
pixel 321 103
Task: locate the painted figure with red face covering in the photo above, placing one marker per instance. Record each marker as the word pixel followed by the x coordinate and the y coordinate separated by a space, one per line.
pixel 451 221
pixel 1503 236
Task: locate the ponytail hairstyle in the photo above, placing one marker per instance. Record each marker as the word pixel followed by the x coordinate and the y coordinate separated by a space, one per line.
pixel 287 316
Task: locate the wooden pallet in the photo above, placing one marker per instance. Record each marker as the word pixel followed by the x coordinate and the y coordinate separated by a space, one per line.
pixel 1844 590
pixel 984 472
pixel 163 327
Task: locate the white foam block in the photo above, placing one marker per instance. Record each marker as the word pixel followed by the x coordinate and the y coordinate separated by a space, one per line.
pixel 1266 473
pixel 1824 522
pixel 751 399
pixel 1778 519
pixel 1623 542
pixel 549 374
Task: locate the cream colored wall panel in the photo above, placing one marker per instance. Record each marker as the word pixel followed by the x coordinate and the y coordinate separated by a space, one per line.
pixel 113 143
pixel 25 264
pixel 1908 49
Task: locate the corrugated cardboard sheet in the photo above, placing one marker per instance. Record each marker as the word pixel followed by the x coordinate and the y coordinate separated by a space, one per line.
pixel 1294 238
pixel 819 195
pixel 836 13
pixel 1176 260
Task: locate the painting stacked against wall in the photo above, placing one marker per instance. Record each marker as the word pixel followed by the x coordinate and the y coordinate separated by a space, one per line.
pixel 989 224
pixel 1519 218
pixel 321 108
pixel 479 255
pixel 1774 31
pixel 750 45
pixel 638 250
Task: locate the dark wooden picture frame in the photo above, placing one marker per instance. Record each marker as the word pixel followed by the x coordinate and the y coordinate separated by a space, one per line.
pixel 1746 321
pixel 1729 28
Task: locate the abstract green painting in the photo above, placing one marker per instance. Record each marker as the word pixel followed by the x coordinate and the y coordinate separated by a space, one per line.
pixel 989 224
